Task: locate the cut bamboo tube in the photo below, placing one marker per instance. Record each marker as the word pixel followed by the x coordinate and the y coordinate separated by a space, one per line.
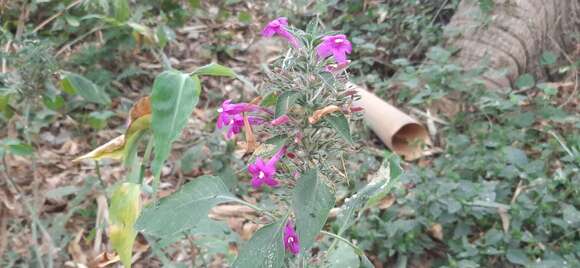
pixel 400 132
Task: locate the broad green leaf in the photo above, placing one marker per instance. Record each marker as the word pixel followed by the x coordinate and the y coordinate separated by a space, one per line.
pixel 265 249
pixel 77 84
pixel 123 212
pixel 344 257
pixel 54 104
pixel 313 200
pixel 517 256
pixel 348 211
pixel 122 12
pixel 340 124
pixel 548 58
pixel 285 100
pixel 525 81
pixel 184 209
pixel 515 156
pixel 174 96
pixel 214 69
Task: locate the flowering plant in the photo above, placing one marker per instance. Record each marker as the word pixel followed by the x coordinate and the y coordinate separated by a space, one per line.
pixel 296 137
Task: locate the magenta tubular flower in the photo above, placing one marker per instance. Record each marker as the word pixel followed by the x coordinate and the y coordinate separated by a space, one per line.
pixel 264 172
pixel 278 27
pixel 232 115
pixel 280 120
pixel 237 124
pixel 291 241
pixel 335 45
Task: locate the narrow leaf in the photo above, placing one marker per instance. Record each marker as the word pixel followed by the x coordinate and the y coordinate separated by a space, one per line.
pixel 265 249
pixel 313 200
pixel 285 100
pixel 174 96
pixel 214 69
pixel 340 124
pixel 183 210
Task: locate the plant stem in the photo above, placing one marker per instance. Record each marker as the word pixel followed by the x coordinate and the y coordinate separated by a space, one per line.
pixel 357 250
pixel 259 209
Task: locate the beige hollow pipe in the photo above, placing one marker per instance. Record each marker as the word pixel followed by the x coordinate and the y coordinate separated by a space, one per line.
pixel 400 132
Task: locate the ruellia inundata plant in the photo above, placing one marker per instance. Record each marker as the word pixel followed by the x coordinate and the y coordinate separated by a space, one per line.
pixel 296 136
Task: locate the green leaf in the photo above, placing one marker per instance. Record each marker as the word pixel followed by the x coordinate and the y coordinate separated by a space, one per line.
pixel 214 69
pixel 265 249
pixel 174 96
pixel 525 81
pixel 74 83
pixel 347 213
pixel 517 256
pixel 313 200
pixel 269 100
pixel 98 119
pixel 548 58
pixel 340 124
pixel 515 156
pixel 548 89
pixel 285 100
pixel 17 147
pixel 184 209
pixel 122 12
pixel 438 54
pixel 123 212
pixel 344 257
pixel 54 104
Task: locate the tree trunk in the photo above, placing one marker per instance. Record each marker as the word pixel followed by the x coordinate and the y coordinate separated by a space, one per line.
pixel 512 36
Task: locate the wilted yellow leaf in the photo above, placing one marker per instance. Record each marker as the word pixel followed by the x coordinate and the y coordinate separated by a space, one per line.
pixel 112 149
pixel 123 213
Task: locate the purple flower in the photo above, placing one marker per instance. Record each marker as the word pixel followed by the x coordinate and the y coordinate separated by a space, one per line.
pixel 291 242
pixel 280 120
pixel 237 124
pixel 335 45
pixel 263 172
pixel 232 115
pixel 278 27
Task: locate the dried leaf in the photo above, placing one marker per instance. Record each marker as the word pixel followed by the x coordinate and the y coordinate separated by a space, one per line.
pixel 436 231
pixel 141 108
pixel 505 219
pixel 318 114
pixel 112 149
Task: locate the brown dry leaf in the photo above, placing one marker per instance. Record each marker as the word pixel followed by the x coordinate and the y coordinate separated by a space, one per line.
pixel 104 259
pixel 436 231
pixel 75 249
pixel 505 219
pixel 318 114
pixel 387 201
pixel 248 230
pixel 140 108
pixel 112 149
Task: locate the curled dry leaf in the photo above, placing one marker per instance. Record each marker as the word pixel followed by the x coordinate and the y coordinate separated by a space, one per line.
pixel 112 149
pixel 436 231
pixel 141 108
pixel 318 114
pixel 139 119
pixel 104 259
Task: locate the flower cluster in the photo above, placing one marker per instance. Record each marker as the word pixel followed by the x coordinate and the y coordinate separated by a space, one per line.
pixel 299 128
